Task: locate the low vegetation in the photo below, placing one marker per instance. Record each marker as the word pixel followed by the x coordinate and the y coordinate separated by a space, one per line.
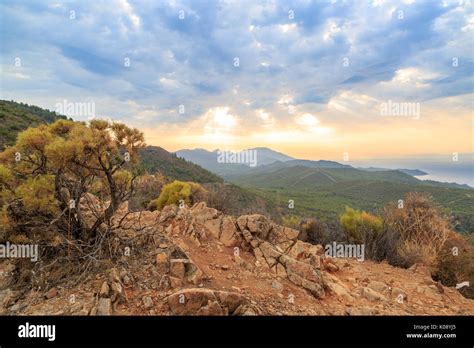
pixel 179 193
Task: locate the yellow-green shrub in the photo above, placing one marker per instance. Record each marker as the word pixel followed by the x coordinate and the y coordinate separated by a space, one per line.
pixel 173 193
pixel 362 228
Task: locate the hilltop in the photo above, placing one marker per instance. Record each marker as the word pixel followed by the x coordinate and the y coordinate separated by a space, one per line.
pixel 155 158
pixel 16 117
pixel 198 261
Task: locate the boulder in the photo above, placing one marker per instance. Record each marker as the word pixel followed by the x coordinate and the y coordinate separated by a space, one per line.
pixel 195 301
pixel 228 235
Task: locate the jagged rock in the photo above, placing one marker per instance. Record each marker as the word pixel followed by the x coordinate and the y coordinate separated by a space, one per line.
pixel 178 268
pixel 190 301
pixel 378 286
pixel 116 292
pixel 228 235
pixel 301 269
pixel 330 267
pixel 370 294
pixel 104 290
pixel 280 270
pixel 336 287
pixel 259 256
pixel 255 224
pixel 213 226
pixel 113 276
pixel 162 262
pixel 281 236
pixel 104 306
pixel 167 213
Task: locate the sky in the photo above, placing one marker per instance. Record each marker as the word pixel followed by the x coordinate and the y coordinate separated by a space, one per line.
pixel 313 79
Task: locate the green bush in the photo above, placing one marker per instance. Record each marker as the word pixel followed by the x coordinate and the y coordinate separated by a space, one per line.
pixel 173 193
pixel 362 228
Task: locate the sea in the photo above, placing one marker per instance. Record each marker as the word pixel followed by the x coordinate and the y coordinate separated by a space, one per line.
pixel 455 168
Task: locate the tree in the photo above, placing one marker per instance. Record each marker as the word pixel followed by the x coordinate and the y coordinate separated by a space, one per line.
pixel 47 176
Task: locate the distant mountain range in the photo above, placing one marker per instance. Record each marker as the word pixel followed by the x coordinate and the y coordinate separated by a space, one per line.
pixel 324 188
pixel 319 188
pixel 412 172
pixel 155 158
pixel 271 164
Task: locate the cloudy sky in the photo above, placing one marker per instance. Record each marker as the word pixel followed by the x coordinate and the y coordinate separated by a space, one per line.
pixel 314 79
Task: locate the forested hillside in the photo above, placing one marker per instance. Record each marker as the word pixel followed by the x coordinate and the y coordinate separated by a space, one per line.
pixel 15 117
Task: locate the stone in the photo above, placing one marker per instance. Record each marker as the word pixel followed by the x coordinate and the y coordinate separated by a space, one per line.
pixel 197 301
pixel 51 293
pixel 213 226
pixel 168 212
pixel 228 235
pixel 229 300
pixel 330 267
pixel 378 286
pixel 189 301
pixel 178 268
pixel 116 291
pixel 193 273
pixel 281 271
pixel 104 306
pixel 104 290
pixel 301 269
pixel 371 295
pixel 277 285
pixel 336 287
pixel 210 309
pixel 162 262
pixel 147 302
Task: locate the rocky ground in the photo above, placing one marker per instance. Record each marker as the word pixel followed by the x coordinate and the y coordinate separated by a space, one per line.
pixel 196 261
